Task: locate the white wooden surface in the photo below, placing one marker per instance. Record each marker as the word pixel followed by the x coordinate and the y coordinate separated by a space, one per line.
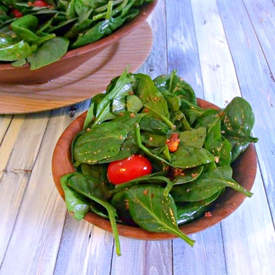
pixel 224 49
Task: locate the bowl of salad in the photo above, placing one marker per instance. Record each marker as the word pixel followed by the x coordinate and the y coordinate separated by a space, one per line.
pixel 43 39
pixel 149 160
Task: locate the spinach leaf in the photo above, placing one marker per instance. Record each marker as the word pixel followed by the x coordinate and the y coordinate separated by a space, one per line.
pixel 152 99
pixel 153 140
pixel 173 85
pixel 117 89
pixel 104 141
pixel 190 211
pixel 188 175
pixel 16 51
pixel 134 104
pixel 238 118
pixel 75 203
pixel 153 125
pixel 153 211
pixel 194 137
pixel 85 187
pixel 50 52
pixel 188 157
pixel 207 185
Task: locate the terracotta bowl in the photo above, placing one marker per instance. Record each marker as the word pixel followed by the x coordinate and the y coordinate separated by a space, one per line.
pixel 244 172
pixel 73 59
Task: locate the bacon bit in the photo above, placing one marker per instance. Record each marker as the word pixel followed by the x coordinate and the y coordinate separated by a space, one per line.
pixel 132 115
pixel 121 137
pixel 208 214
pixel 177 172
pixel 145 110
pixel 221 114
pixel 194 175
pixel 156 99
pixel 131 93
pixel 150 138
pixel 29 3
pixel 88 129
pixel 173 142
pixel 121 114
pixel 217 159
pixel 126 204
pixel 145 192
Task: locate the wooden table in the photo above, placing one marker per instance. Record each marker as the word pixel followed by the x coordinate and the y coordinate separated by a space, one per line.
pixel 224 49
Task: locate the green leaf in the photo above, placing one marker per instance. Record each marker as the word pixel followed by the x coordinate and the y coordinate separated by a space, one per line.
pixel 190 211
pixel 153 211
pixel 84 187
pixel 50 52
pixel 238 118
pixel 75 203
pixel 193 138
pixel 207 185
pixel 134 104
pixel 189 157
pixel 104 141
pixel 16 51
pixel 188 175
pixel 150 96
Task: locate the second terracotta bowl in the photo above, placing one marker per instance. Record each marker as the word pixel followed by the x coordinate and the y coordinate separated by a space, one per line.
pixel 244 171
pixel 74 58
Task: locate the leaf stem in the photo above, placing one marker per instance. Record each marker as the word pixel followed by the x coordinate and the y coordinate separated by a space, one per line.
pixel 162 117
pixel 144 149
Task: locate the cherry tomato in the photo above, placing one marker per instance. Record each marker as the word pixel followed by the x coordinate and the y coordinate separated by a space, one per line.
pixel 40 3
pixel 17 13
pixel 128 169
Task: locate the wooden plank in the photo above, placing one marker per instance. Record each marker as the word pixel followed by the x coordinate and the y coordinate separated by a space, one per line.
pixel 85 249
pixel 205 258
pixel 254 83
pixel 8 142
pixel 183 56
pixel 4 125
pixel 262 16
pixel 182 46
pixel 221 85
pixel 143 257
pixel 38 229
pixel 249 238
pixel 17 174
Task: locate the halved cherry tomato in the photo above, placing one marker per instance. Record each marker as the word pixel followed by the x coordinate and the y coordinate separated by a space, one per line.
pixel 17 13
pixel 173 142
pixel 40 3
pixel 128 169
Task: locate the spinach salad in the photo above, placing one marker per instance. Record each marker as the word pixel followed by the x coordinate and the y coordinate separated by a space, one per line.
pixel 40 32
pixel 149 156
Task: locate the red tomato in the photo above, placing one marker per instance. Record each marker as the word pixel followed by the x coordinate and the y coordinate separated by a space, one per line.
pixel 128 169
pixel 17 13
pixel 40 3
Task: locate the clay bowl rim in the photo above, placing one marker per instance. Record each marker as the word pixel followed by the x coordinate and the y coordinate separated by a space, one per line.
pixel 221 209
pixel 104 42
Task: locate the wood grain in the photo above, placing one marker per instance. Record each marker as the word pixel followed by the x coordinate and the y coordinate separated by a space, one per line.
pixel 255 83
pixel 17 173
pixel 221 85
pixel 262 18
pixel 82 83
